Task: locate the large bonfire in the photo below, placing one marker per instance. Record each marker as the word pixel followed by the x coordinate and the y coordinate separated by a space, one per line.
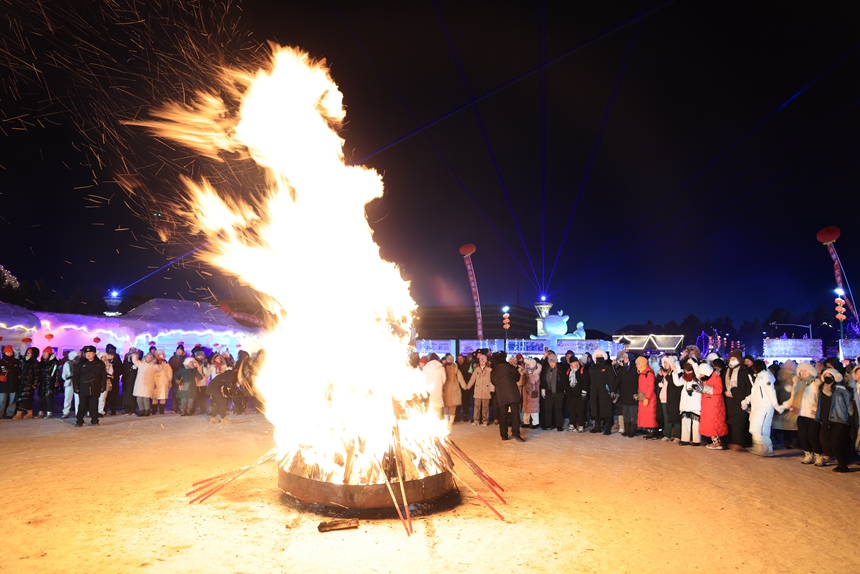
pixel 308 250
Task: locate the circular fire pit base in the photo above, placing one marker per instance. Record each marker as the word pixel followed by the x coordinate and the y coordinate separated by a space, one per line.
pixel 306 490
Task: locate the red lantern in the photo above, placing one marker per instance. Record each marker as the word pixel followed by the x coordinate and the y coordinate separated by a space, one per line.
pixel 26 340
pixel 828 235
pixel 49 336
pixel 467 249
pixel 224 307
pixel 96 340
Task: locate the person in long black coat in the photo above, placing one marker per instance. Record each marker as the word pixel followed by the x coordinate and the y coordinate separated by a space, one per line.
pixel 738 382
pixel 628 387
pixel 668 377
pixel 577 395
pixel 554 385
pixel 505 377
pixel 129 376
pixel 49 381
pixel 113 395
pixel 10 379
pixel 89 382
pixel 28 384
pixel 603 383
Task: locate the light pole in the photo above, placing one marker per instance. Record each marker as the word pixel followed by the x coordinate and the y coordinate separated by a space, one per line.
pixel 506 324
pixel 792 325
pixel 840 315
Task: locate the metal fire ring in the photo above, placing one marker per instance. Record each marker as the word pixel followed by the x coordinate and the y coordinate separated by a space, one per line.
pixel 360 496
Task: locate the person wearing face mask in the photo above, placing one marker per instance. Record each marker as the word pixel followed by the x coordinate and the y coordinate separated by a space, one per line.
pixel 628 375
pixel 531 394
pixel 713 420
pixel 129 373
pixel 28 384
pixel 480 382
pixel 670 398
pixel 144 382
pixel 10 378
pixel 738 382
pixel 763 404
pixel 804 405
pixel 603 383
pixel 835 407
pixel 162 377
pixel 647 399
pixel 690 405
pixel 451 396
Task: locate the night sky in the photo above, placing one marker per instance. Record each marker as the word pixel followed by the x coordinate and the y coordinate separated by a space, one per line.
pixel 703 196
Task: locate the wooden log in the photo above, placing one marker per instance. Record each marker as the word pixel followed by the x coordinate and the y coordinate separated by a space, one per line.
pixel 338 524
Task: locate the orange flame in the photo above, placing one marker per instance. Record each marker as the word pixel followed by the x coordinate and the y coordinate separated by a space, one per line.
pixel 308 250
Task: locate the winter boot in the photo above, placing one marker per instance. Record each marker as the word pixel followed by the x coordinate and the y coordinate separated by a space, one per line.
pixel 141 413
pixel 161 408
pixel 18 415
pixel 820 460
pixel 224 419
pixel 29 415
pixel 807 458
pixel 213 420
pixel 716 444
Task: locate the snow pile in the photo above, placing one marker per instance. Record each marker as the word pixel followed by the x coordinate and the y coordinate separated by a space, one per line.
pixel 164 314
pixel 15 316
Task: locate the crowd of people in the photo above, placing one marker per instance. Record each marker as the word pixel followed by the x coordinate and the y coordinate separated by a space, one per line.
pixel 738 403
pixel 98 384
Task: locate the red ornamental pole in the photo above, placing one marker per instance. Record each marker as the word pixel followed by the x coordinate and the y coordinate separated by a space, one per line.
pixel 828 237
pixel 466 251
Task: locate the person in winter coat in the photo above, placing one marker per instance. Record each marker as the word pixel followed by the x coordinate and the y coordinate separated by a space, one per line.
pixel 855 388
pixel 186 390
pixel 505 378
pixel 68 388
pixel 49 381
pixel 690 406
pixel 144 383
pixel 162 378
pixel 785 422
pixel 670 398
pixel 89 381
pixel 113 365
pixel 646 414
pixel 465 367
pixel 221 389
pixel 454 384
pixel 577 395
pixel 603 383
pixel 713 420
pixel 531 394
pixel 434 375
pixel 763 404
pixel 28 384
pixel 835 407
pixel 176 362
pixel 804 405
pixel 628 387
pixel 129 374
pixel 10 380
pixel 483 386
pixel 553 388
pixel 738 381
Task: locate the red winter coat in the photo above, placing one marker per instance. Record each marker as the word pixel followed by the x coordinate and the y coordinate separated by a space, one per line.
pixel 713 419
pixel 647 413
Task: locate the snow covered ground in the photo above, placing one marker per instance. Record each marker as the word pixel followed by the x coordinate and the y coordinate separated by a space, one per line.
pixel 111 499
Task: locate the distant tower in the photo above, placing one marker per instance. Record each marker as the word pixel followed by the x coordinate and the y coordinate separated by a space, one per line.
pixel 543 306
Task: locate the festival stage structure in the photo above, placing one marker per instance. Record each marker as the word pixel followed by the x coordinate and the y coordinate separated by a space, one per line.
pixel 338 431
